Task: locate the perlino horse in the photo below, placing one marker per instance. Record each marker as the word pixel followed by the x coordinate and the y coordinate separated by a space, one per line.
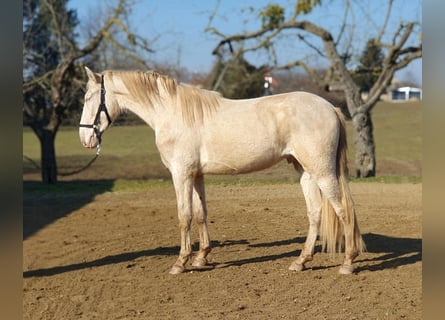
pixel 199 132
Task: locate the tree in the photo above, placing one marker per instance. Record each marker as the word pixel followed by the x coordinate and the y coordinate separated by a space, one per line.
pixel 53 75
pixel 397 54
pixel 236 79
pixel 370 68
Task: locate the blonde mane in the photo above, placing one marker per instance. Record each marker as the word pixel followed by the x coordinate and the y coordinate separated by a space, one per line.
pixel 193 103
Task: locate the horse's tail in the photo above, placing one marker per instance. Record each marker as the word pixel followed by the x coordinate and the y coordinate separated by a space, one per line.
pixel 331 229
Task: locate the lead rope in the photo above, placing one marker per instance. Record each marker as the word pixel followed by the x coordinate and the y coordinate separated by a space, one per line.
pixel 67 173
pixel 84 167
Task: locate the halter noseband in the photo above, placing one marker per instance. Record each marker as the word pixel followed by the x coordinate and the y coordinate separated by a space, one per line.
pixel 102 108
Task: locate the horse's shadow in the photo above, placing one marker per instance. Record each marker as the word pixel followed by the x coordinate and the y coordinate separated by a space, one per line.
pixel 107 260
pixel 390 252
pixel 120 258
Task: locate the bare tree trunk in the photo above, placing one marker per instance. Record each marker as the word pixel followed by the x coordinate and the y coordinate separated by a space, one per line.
pixel 365 165
pixel 48 156
pixel 47 136
pixel 365 162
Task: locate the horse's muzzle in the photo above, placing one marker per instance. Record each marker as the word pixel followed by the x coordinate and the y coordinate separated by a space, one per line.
pixel 88 137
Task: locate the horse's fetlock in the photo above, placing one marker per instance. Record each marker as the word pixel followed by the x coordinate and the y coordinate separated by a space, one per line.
pixel 177 269
pixel 296 266
pixel 346 269
pixel 206 250
pixel 199 262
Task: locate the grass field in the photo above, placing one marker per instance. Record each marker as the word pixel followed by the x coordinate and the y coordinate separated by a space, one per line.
pixel 129 152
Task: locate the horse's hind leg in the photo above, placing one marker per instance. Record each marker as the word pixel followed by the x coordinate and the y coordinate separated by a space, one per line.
pixel 313 203
pixel 330 187
pixel 200 216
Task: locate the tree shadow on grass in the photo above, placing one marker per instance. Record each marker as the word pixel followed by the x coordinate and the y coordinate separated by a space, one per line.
pixel 43 204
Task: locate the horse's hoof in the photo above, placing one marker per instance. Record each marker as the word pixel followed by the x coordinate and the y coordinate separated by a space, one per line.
pixel 199 262
pixel 177 269
pixel 296 266
pixel 348 269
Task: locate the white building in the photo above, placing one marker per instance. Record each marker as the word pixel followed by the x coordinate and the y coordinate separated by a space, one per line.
pixel 406 93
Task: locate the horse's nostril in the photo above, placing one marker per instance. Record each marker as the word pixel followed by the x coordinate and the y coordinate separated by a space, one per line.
pixel 86 141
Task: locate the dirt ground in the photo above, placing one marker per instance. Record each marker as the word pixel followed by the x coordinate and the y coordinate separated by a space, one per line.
pixel 108 257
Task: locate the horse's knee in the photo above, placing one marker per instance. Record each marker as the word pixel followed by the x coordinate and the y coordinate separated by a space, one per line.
pixel 185 221
pixel 199 219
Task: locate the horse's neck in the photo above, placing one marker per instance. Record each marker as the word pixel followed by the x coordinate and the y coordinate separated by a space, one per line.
pixel 153 115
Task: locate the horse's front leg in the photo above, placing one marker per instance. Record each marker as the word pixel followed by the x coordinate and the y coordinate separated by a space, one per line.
pixel 184 187
pixel 200 217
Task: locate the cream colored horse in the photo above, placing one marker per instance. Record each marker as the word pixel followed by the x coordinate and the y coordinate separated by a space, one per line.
pixel 198 132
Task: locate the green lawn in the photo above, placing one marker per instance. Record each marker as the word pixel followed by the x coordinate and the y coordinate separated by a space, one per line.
pixel 397 131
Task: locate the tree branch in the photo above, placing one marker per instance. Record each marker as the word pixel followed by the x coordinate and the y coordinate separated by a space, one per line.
pixel 396 59
pixel 97 39
pixel 58 28
pixel 28 86
pixel 310 45
pixel 115 43
pixel 343 25
pixel 236 37
pixel 385 23
pixel 312 72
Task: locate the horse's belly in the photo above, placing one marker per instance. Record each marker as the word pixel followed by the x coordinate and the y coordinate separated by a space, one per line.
pixel 239 160
pixel 240 143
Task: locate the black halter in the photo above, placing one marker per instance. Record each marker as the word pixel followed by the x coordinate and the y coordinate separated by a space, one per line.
pixel 102 108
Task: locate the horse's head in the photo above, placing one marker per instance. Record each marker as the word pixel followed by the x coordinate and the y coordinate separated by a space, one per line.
pixel 95 117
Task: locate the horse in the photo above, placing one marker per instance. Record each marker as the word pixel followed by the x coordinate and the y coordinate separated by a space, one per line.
pixel 199 132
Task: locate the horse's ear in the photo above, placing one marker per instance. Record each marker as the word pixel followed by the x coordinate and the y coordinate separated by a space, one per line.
pixel 92 75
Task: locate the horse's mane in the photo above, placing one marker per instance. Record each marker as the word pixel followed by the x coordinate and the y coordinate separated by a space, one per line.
pixel 150 87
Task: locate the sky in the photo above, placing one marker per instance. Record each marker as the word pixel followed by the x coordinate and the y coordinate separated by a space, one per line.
pixel 177 27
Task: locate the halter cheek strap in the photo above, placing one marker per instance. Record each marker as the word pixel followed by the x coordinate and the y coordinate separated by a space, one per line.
pixel 102 108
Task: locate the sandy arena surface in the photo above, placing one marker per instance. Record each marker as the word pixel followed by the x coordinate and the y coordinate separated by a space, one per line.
pixel 107 256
